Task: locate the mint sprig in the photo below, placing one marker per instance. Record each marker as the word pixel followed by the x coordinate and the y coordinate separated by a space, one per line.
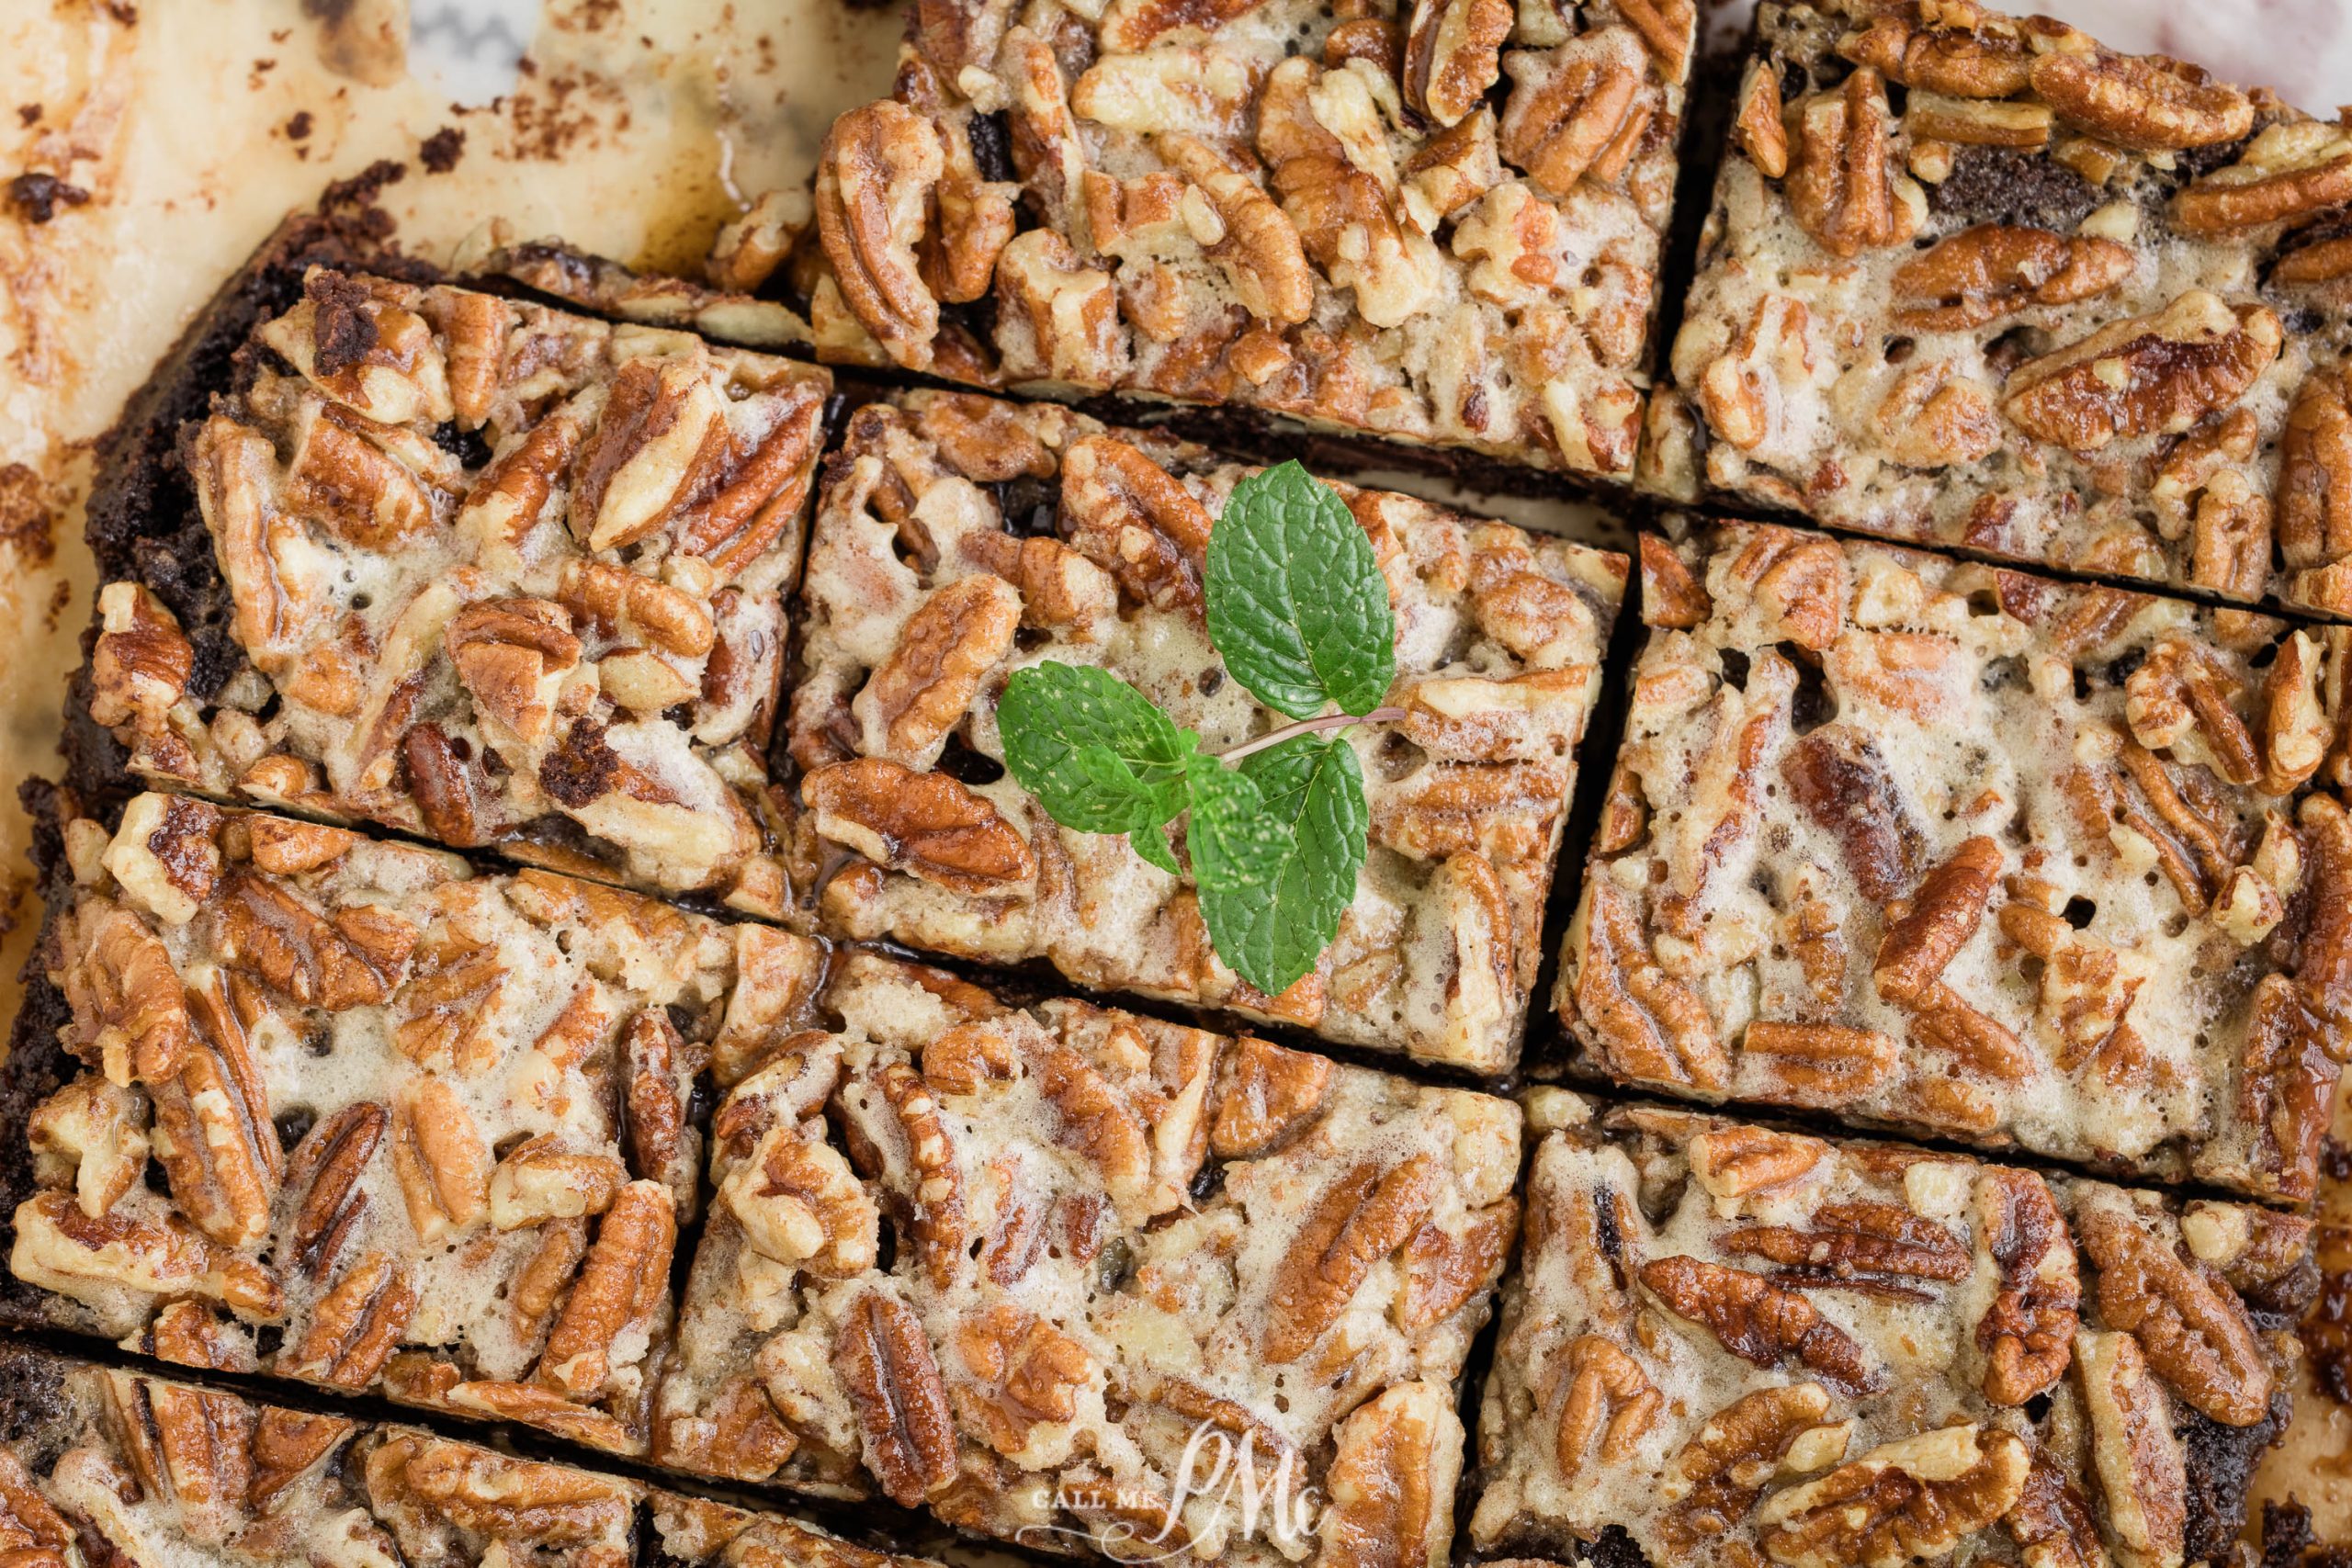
pixel 1276 829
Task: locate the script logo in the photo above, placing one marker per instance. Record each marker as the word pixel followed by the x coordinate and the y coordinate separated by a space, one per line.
pixel 1220 1489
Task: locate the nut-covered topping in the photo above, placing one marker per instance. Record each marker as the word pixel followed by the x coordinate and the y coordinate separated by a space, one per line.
pixel 1759 1321
pixel 2141 102
pixel 1362 1217
pixel 1650 1024
pixel 2154 374
pixel 1914 1498
pixel 1453 54
pixel 2191 1325
pixel 874 182
pixel 885 1365
pixel 1608 1395
pixel 928 825
pixel 1995 270
pixel 2028 1331
pixel 925 687
pixel 1839 187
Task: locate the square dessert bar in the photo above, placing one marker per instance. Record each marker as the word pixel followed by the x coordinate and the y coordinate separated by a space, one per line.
pixel 1963 852
pixel 1439 223
pixel 473 569
pixel 101 1464
pixel 959 539
pixel 1978 280
pixel 1084 1280
pixel 289 1099
pixel 1738 1346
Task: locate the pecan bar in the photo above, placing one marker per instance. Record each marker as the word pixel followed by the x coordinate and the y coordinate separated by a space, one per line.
pixel 1979 280
pixel 1437 223
pixel 1080 1279
pixel 364 1118
pixel 476 570
pixel 1961 852
pixel 958 540
pixel 2308 1477
pixel 1742 1346
pixel 100 1464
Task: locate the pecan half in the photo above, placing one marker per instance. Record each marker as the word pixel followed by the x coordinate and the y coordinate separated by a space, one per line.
pixel 1608 1395
pixel 130 1013
pixel 512 654
pixel 1391 1479
pixel 1570 106
pixel 919 1159
pixel 1824 1065
pixel 1838 777
pixel 885 1365
pixel 1443 1273
pixel 325 1169
pixel 2152 375
pixel 1759 1321
pixel 1362 1217
pixel 2137 1459
pixel 1840 188
pixel 874 178
pixel 1647 1024
pixel 1260 253
pixel 1995 270
pixel 94 1258
pixel 2286 1090
pixel 1453 54
pixel 1937 922
pixel 1135 520
pixel 213 1134
pixel 2314 487
pixel 1264 1094
pixel 1028 1371
pixel 622 1284
pixel 1858 1245
pixel 2293 170
pixel 661 1145
pixel 924 689
pixel 502 1498
pixel 354 959
pixel 1734 1160
pixel 1914 1498
pixel 438 1156
pixel 2180 700
pixel 355 1327
pixel 2191 1325
pixel 928 825
pixel 1963 53
pixel 2027 1334
pixel 2142 102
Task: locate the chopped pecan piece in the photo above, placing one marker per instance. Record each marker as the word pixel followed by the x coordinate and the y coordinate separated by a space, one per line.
pixel 2179 700
pixel 353 960
pixel 2027 1334
pixel 1995 270
pixel 1916 1497
pixel 1608 1395
pixel 94 1258
pixel 661 1145
pixel 1649 1024
pixel 1756 123
pixel 1136 521
pixel 511 655
pixel 1716 1479
pixel 928 825
pixel 1362 1218
pixel 1393 1465
pixel 89 1135
pixel 2051 1521
pixel 2154 374
pixel 1029 1374
pixel 886 1364
pixel 1734 1160
pixel 2191 1325
pixel 799 1203
pixel 1444 1273
pixel 1453 54
pixel 1759 1321
pixel 1963 53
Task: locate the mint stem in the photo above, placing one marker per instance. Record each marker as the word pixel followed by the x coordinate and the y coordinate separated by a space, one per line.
pixel 1309 727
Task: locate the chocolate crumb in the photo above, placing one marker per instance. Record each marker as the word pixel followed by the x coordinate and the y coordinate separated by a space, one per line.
pixel 24 515
pixel 360 191
pixel 439 152
pixel 298 128
pixel 28 114
pixel 37 197
pixel 345 333
pixel 582 768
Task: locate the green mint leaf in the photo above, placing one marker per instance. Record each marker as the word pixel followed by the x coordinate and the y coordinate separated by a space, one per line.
pixel 1235 844
pixel 1095 751
pixel 1271 930
pixel 1297 608
pixel 1152 844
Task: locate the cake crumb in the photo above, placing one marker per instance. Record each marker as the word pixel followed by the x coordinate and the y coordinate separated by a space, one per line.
pixel 439 152
pixel 37 197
